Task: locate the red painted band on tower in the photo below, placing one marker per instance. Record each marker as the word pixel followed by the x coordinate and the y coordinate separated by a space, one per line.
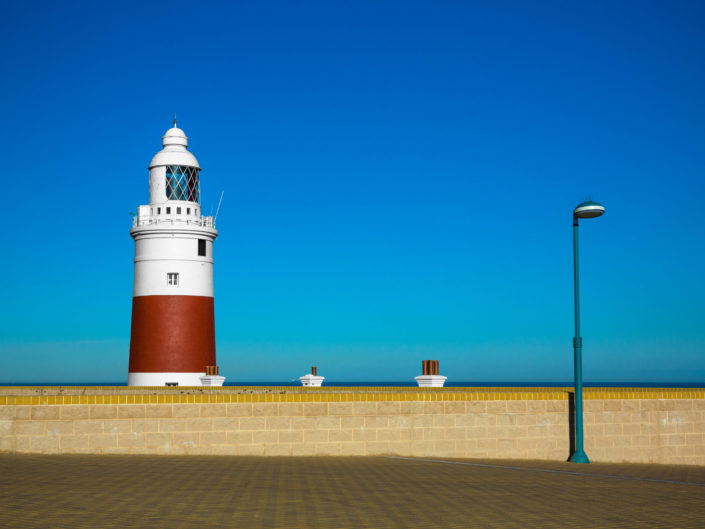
pixel 172 334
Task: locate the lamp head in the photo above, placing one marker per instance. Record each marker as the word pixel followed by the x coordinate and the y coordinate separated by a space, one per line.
pixel 588 210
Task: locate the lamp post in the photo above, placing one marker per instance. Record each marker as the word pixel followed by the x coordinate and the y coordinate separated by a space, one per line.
pixel 585 210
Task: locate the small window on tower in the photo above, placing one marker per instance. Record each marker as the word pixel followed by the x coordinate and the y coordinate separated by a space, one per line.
pixel 172 279
pixel 168 211
pixel 202 247
pixel 151 211
pixel 159 211
pixel 188 211
pixel 178 211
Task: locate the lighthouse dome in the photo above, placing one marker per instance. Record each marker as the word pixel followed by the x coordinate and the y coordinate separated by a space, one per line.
pixel 174 136
pixel 174 152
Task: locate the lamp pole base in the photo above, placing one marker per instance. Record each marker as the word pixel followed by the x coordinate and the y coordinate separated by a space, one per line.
pixel 579 457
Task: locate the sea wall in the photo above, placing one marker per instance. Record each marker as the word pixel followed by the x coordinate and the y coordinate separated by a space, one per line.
pixel 626 424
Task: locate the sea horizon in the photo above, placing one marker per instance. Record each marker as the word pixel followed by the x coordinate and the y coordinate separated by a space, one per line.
pixel 391 383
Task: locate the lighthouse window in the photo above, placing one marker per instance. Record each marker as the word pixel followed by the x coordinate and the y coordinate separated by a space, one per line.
pixel 168 211
pixel 172 279
pixel 188 211
pixel 178 211
pixel 202 247
pixel 182 183
pixel 159 211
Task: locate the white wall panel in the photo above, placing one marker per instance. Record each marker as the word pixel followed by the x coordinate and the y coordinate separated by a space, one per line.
pixel 195 278
pixel 157 185
pixel 173 246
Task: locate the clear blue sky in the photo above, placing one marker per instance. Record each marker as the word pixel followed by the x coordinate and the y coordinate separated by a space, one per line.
pixel 399 179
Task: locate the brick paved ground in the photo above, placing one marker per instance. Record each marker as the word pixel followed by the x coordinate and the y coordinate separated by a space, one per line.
pixel 179 492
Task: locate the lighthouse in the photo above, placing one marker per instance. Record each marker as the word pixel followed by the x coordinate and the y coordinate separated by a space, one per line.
pixel 172 339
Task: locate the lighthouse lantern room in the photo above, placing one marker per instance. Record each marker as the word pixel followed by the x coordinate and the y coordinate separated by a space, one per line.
pixel 172 339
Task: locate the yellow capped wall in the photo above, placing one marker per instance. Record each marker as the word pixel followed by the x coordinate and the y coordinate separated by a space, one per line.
pixel 621 424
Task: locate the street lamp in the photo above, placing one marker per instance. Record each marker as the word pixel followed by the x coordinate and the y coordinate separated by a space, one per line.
pixel 585 210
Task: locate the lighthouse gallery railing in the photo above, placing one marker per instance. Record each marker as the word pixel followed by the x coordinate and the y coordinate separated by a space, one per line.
pixel 207 222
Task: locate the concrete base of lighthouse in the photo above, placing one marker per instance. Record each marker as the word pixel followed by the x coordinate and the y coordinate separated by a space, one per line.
pixel 164 379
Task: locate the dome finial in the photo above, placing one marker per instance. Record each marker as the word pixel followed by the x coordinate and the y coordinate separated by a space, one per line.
pixel 174 120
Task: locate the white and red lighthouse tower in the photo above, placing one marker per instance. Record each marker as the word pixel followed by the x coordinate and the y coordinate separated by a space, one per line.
pixel 173 329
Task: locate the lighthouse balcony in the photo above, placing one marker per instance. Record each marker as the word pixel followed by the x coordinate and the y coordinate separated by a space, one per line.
pixel 206 222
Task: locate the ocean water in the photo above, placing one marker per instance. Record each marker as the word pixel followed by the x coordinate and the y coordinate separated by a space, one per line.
pixel 406 383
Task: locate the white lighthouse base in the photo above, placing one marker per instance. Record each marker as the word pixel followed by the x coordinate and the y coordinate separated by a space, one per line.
pixel 212 380
pixel 311 380
pixel 430 381
pixel 164 379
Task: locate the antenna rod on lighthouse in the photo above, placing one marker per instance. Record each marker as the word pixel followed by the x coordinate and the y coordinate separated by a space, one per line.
pixel 218 208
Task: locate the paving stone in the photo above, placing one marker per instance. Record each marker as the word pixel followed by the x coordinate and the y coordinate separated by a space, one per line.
pixel 118 491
